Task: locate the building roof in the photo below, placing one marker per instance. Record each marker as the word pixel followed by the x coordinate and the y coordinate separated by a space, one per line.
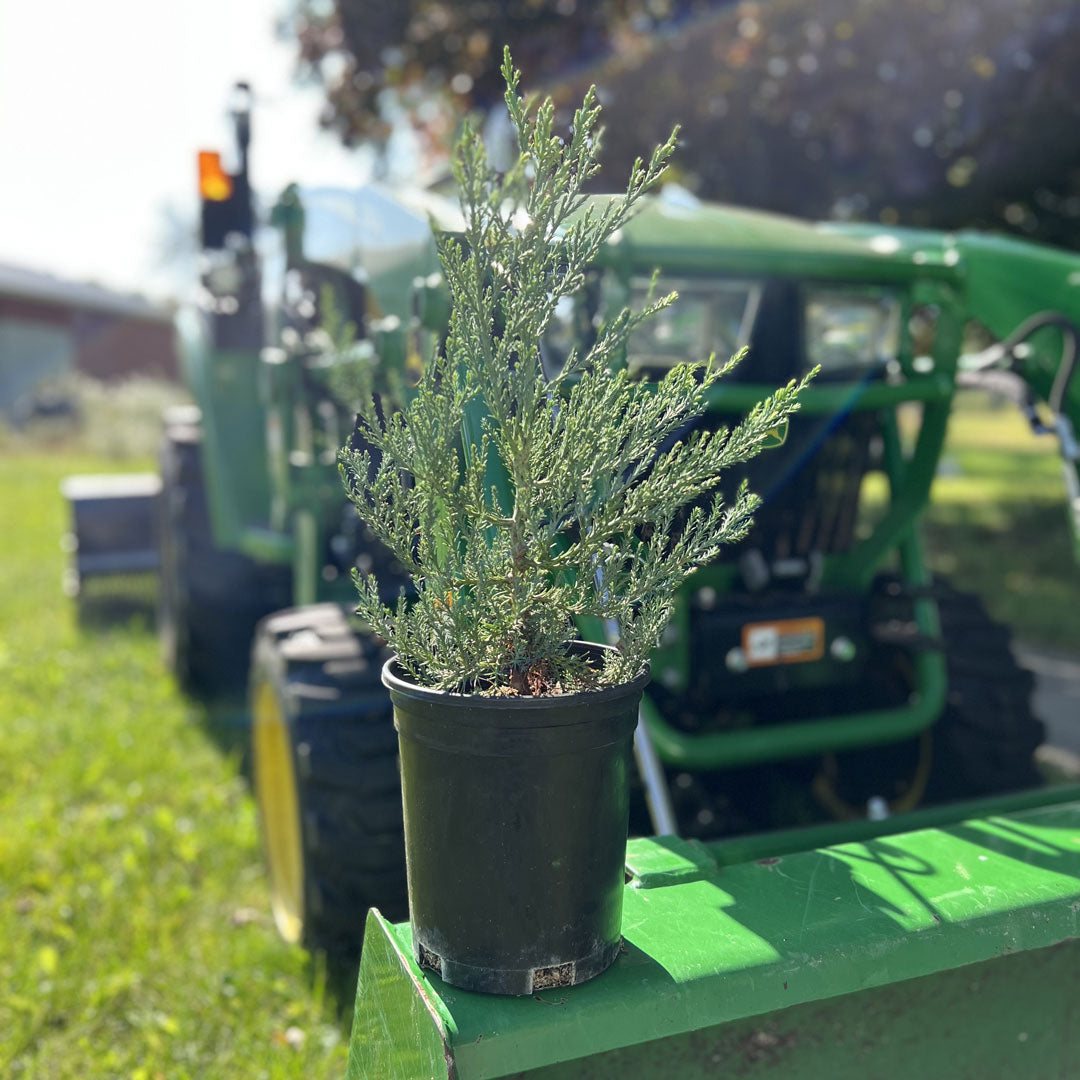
pixel 25 284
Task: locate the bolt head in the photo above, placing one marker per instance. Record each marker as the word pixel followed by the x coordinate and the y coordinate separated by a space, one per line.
pixel 843 649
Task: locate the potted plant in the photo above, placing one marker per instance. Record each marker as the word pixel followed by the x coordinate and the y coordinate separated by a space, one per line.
pixel 521 504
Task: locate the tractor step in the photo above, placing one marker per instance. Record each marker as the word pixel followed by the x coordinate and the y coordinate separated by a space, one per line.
pixel 114 525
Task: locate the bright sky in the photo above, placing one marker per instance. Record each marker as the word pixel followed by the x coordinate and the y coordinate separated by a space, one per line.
pixel 103 105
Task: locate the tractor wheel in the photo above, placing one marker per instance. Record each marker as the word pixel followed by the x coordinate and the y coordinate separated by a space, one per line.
pixel 209 599
pixel 982 744
pixel 986 738
pixel 326 777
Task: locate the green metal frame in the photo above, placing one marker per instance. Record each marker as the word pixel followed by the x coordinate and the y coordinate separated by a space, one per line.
pixel 227 386
pixel 910 480
pixel 932 947
pixel 1004 281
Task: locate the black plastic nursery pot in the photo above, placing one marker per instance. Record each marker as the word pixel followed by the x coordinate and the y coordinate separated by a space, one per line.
pixel 516 814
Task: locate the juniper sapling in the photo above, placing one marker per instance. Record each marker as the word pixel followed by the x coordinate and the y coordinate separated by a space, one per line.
pixel 519 502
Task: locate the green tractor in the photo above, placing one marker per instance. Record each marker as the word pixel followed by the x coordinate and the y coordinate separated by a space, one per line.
pixel 815 673
pixel 849 865
pixel 817 687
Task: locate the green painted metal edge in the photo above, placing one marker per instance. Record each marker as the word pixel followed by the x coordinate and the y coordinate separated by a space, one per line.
pixel 391 995
pixel 910 483
pixel 718 945
pixel 769 845
pixel 266 545
pixel 656 864
pixel 826 399
pixel 781 742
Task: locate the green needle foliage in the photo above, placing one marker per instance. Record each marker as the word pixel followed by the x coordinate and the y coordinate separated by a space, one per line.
pixel 520 503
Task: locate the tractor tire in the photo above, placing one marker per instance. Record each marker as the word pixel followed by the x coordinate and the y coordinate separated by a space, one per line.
pixel 984 741
pixel 209 599
pixel 326 777
pixel 986 738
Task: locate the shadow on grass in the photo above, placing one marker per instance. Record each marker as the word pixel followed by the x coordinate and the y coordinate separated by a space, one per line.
pixel 227 723
pixel 340 972
pixel 120 600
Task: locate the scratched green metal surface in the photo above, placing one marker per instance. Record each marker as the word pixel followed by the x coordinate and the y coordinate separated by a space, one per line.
pixel 1013 1018
pixel 709 947
pixel 398 1030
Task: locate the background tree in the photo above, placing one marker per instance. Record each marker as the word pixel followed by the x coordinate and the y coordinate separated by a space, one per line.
pixel 936 112
pixel 923 112
pixel 414 50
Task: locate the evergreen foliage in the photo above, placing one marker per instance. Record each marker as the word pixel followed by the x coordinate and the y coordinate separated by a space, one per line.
pixel 517 502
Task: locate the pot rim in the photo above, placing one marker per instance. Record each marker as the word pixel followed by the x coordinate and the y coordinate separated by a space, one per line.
pixel 395 682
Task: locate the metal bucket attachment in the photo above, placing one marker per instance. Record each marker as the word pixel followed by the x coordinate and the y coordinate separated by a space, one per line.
pixel 114 526
pixel 926 951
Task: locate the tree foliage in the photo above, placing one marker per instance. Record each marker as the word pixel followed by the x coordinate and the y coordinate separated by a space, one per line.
pixel 584 495
pixel 923 112
pixel 420 48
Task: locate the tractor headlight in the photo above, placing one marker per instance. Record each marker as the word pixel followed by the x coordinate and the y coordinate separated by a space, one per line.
pixel 848 332
pixel 709 316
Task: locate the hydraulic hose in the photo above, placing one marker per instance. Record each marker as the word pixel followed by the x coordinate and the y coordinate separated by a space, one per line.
pixel 1066 367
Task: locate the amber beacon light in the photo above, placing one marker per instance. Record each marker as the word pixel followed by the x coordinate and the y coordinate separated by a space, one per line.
pixel 215 184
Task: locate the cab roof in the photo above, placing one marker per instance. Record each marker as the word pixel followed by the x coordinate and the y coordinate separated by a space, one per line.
pixel 684 234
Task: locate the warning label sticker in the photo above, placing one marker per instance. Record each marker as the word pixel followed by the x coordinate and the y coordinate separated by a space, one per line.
pixel 789 641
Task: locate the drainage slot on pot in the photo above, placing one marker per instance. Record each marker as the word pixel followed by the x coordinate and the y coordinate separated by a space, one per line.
pixel 548 978
pixel 428 959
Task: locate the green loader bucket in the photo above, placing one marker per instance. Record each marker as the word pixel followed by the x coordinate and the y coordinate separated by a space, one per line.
pixel 951 951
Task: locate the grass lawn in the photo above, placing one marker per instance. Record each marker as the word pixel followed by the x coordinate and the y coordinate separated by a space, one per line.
pixel 135 934
pixel 997 524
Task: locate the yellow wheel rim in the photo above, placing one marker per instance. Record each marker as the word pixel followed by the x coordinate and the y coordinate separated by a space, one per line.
pixel 279 807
